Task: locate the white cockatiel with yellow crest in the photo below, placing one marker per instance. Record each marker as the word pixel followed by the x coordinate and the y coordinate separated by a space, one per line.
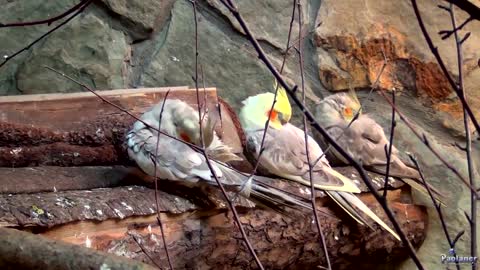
pixel 178 161
pixel 364 139
pixel 284 153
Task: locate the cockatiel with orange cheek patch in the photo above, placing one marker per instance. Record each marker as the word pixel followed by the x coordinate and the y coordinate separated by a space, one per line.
pixel 364 139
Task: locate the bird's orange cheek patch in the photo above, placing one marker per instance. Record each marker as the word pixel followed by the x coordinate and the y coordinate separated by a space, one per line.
pixel 272 115
pixel 185 137
pixel 348 111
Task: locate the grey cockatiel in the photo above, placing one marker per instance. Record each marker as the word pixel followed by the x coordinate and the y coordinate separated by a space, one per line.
pixel 178 161
pixel 364 140
pixel 284 154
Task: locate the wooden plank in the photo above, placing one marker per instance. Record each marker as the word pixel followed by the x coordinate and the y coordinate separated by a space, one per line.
pixel 66 112
pixel 79 129
pixel 81 95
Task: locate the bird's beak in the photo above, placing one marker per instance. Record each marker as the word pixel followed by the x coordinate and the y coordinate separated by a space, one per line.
pixel 283 119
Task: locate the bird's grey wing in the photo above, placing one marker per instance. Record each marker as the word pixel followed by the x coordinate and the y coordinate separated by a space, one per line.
pixel 366 142
pixel 285 155
pixel 174 159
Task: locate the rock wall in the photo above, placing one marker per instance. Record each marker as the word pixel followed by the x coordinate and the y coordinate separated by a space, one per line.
pixel 128 44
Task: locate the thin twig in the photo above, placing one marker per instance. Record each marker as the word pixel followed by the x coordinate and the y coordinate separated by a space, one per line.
pixel 78 12
pixel 427 143
pixel 468 139
pixel 302 38
pixel 197 148
pixel 48 21
pixel 194 5
pixel 468 7
pixel 390 147
pixel 357 113
pixel 442 65
pixel 144 251
pixel 306 137
pixel 261 54
pixel 159 220
pixel 437 207
pixel 204 152
pixel 267 123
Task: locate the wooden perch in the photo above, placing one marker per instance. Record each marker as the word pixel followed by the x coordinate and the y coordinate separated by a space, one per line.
pixel 102 204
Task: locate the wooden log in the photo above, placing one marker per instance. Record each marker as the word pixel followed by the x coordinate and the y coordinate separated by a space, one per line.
pixel 20 250
pixel 78 129
pixel 115 219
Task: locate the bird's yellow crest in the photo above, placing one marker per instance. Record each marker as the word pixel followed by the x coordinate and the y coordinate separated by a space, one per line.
pixel 352 105
pixel 355 104
pixel 283 104
pixel 258 109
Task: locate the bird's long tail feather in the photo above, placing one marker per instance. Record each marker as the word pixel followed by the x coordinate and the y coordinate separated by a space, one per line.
pixel 347 201
pixel 248 187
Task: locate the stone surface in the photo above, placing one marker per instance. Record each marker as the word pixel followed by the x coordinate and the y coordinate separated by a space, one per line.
pixel 81 41
pixel 141 17
pixel 14 39
pixel 271 18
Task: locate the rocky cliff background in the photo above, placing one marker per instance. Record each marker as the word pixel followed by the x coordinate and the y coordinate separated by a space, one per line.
pixel 150 43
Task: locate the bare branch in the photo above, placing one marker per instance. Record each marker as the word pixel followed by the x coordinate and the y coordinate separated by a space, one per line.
pixel 79 10
pixel 204 152
pixel 468 7
pixel 427 143
pixel 267 123
pixel 453 84
pixel 159 220
pixel 468 140
pixel 305 131
pixel 122 109
pixel 390 147
pixel 436 204
pixel 48 21
pixel 143 249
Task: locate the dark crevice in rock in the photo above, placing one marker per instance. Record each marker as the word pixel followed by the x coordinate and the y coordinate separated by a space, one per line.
pixel 134 30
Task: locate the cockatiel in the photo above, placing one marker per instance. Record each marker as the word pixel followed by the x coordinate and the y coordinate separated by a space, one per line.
pixel 284 153
pixel 364 140
pixel 176 160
